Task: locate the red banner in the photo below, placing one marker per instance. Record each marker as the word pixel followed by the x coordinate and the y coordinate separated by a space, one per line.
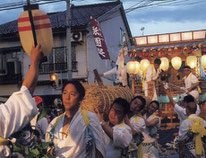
pixel 99 40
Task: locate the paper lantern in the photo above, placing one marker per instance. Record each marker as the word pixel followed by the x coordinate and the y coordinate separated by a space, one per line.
pixel 203 61
pixel 144 64
pixel 164 63
pixel 176 62
pixel 133 67
pixel 191 61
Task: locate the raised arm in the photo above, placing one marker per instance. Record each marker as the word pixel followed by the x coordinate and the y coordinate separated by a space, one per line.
pixel 31 78
pixel 170 97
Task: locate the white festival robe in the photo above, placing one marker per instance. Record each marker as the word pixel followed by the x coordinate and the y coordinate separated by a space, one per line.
pixel 15 114
pixel 184 128
pixel 189 81
pixel 73 146
pixel 150 151
pixel 151 75
pixel 121 75
pixel 122 137
pixel 181 112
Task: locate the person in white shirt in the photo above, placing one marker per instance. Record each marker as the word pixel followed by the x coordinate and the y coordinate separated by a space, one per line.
pixel 77 133
pixel 121 75
pixel 40 122
pixel 181 110
pixel 187 143
pixel 20 108
pixel 137 124
pixel 203 116
pixel 118 135
pixel 191 83
pixel 153 122
pixel 152 74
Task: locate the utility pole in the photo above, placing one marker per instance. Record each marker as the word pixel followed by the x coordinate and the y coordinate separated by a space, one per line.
pixel 68 39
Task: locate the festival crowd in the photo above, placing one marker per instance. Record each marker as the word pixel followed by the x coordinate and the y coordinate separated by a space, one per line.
pixel 130 130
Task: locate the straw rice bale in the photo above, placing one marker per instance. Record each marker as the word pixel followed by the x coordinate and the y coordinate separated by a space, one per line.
pixel 102 97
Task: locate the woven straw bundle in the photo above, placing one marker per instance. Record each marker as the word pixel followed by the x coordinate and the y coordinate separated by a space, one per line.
pixel 102 97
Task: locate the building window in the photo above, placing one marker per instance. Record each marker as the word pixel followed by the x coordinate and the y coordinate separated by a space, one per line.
pixel 121 36
pixel 57 61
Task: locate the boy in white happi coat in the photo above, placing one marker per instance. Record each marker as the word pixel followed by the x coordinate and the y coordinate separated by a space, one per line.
pixel 137 124
pixel 117 134
pixel 153 122
pixel 152 74
pixel 203 116
pixel 191 83
pixel 20 108
pixel 190 134
pixel 76 133
pixel 181 110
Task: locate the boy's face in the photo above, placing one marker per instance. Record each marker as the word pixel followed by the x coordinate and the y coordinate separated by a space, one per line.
pixel 116 114
pixel 156 66
pixel 186 72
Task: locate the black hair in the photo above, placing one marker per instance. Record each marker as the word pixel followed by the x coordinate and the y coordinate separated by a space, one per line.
pixel 187 67
pixel 79 87
pixel 189 98
pixel 142 100
pixel 156 102
pixel 157 61
pixel 192 107
pixel 123 102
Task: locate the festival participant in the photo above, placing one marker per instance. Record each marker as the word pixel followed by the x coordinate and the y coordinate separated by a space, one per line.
pixel 76 133
pixel 40 122
pixel 181 111
pixel 119 70
pixel 152 74
pixel 190 133
pixel 191 83
pixel 20 108
pixel 153 122
pixel 118 135
pixel 203 116
pixel 137 124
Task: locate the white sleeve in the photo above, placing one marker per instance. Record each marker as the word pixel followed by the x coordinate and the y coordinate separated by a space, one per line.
pixel 156 75
pixel 122 136
pixel 97 132
pixel 140 125
pixel 149 74
pixel 178 109
pixel 42 125
pixel 110 72
pixel 184 128
pixel 17 112
pixel 194 79
pixel 198 110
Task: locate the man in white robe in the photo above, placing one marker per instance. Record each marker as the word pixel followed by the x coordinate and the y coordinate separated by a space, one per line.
pixel 191 83
pixel 187 145
pixel 152 74
pixel 117 134
pixel 20 108
pixel 73 146
pixel 181 110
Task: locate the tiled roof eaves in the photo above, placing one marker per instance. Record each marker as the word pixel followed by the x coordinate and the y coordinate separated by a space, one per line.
pixel 80 16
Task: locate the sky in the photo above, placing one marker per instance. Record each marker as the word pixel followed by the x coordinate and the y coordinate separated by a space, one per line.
pixel 186 15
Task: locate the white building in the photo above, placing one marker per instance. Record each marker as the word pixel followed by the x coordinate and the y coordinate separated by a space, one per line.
pixel 14 62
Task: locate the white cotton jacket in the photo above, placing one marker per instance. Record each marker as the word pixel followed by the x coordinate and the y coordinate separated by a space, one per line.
pixel 73 146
